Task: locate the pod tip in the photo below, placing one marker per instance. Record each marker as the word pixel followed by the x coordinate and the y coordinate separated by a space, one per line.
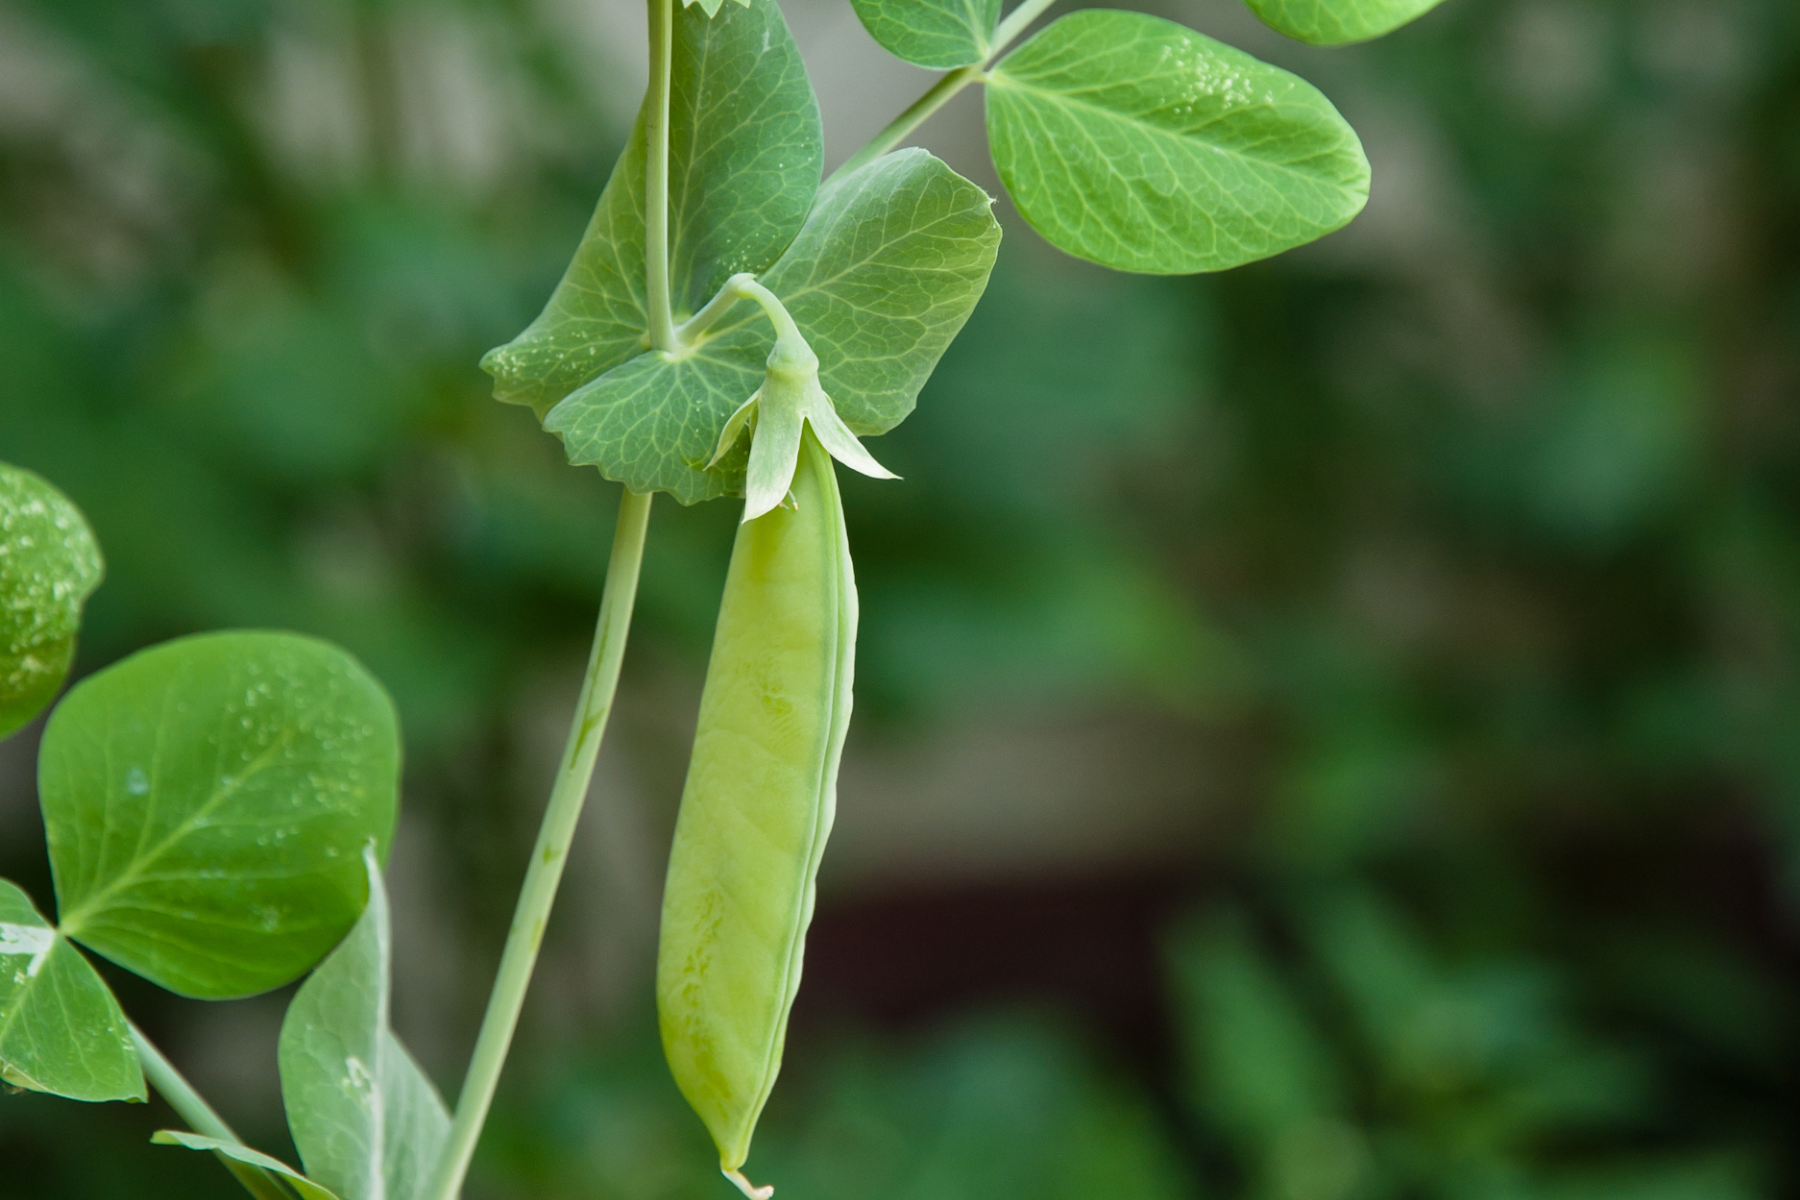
pixel 749 1189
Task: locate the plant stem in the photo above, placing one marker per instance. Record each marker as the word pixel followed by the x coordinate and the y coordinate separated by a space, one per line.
pixel 946 88
pixel 552 850
pixel 941 93
pixel 708 316
pixel 201 1117
pixel 656 182
pixel 1016 23
pixel 785 329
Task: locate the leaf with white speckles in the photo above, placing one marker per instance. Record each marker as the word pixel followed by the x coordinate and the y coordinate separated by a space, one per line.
pixel 207 802
pixel 932 33
pixel 888 267
pixel 367 1121
pixel 49 565
pixel 1339 22
pixel 61 1030
pixel 745 150
pixel 1141 145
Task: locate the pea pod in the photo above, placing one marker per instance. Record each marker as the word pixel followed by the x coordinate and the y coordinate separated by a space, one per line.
pixel 760 795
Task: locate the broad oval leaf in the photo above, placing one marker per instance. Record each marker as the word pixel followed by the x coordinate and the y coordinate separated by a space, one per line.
pixel 207 802
pixel 61 1030
pixel 1339 22
pixel 745 152
pixel 888 267
pixel 932 33
pixel 1141 145
pixel 306 1188
pixel 49 565
pixel 367 1121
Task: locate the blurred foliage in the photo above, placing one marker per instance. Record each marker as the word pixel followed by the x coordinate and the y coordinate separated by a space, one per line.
pixel 1479 523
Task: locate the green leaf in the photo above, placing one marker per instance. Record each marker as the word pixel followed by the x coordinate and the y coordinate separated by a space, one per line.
pixel 207 802
pixel 61 1030
pixel 49 566
pixel 744 160
pixel 1339 22
pixel 652 423
pixel 367 1121
pixel 193 1141
pixel 932 33
pixel 1138 144
pixel 887 269
pixel 711 7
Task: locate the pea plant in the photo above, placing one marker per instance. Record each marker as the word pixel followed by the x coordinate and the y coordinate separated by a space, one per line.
pixel 218 808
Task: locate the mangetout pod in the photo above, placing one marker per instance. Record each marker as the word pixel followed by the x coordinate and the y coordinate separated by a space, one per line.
pixel 761 791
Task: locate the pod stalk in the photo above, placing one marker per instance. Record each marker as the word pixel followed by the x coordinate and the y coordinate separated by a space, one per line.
pixel 749 1189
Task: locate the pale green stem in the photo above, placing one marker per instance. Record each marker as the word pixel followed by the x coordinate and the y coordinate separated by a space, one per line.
pixel 1017 21
pixel 940 94
pixel 742 286
pixel 715 308
pixel 946 88
pixel 201 1118
pixel 552 851
pixel 773 308
pixel 656 183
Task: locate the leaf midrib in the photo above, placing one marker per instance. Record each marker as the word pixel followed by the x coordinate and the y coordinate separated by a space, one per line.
pixel 72 922
pixel 1071 101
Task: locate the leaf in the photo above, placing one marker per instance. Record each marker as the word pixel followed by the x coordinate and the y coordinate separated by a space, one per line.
pixel 193 1141
pixel 1138 144
pixel 367 1121
pixel 712 7
pixel 49 565
pixel 652 423
pixel 881 279
pixel 61 1030
pixel 1339 22
pixel 207 802
pixel 932 33
pixel 744 161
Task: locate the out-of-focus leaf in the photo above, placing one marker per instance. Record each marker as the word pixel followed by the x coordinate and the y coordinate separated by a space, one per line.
pixel 61 1030
pixel 366 1120
pixel 1143 146
pixel 1256 1060
pixel 49 565
pixel 207 802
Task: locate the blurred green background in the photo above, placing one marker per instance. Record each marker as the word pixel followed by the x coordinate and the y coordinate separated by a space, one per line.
pixel 1326 732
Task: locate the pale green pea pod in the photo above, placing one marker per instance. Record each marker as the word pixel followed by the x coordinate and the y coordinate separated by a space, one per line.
pixel 761 791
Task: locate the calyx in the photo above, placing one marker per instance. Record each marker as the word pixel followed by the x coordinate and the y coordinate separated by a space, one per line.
pixel 789 400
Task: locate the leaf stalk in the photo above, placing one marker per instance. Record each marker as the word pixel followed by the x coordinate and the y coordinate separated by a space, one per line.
pixel 551 853
pixel 656 182
pixel 945 89
pixel 202 1118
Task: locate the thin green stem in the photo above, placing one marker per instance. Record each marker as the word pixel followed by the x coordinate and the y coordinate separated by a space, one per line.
pixel 785 329
pixel 946 88
pixel 708 316
pixel 940 94
pixel 1017 21
pixel 656 183
pixel 172 1086
pixel 552 850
